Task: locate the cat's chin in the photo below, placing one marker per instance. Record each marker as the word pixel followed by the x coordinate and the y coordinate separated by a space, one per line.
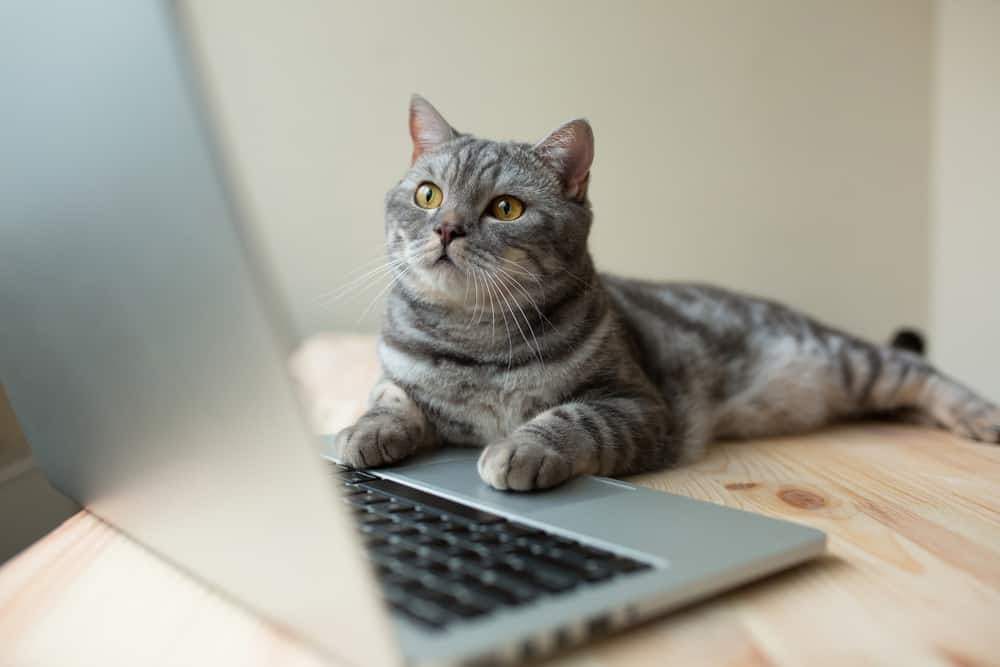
pixel 442 282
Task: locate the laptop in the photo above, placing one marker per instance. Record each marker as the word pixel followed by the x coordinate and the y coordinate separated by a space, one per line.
pixel 144 350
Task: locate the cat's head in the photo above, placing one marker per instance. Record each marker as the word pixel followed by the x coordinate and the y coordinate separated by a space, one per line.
pixel 472 211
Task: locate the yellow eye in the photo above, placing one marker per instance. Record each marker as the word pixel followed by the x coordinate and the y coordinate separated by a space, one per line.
pixel 506 208
pixel 428 195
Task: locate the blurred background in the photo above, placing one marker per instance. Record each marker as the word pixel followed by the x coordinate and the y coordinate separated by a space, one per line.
pixel 843 157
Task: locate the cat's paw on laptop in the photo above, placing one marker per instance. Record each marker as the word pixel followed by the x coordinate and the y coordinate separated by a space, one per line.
pixel 522 463
pixel 376 439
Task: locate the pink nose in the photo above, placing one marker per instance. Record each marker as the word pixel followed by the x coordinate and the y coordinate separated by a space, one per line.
pixel 449 232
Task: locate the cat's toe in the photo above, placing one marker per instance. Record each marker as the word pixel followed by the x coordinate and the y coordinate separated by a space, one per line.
pixel 374 441
pixel 981 424
pixel 523 466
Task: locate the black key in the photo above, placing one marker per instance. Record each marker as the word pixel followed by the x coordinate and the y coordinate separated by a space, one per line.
pixel 434 566
pixel 473 551
pixel 432 541
pixel 370 530
pixel 424 612
pixel 434 502
pixel 401 529
pixel 565 557
pixel 466 588
pixel 515 590
pixel 483 538
pixel 597 572
pixel 473 602
pixel 394 507
pixel 549 578
pixel 354 476
pixel 595 553
pixel 357 499
pixel 521 530
pixel 554 581
pixel 400 582
pixel 375 499
pixel 587 567
pixel 374 541
pixel 628 565
pixel 372 519
pixel 389 553
pixel 453 529
pixel 437 597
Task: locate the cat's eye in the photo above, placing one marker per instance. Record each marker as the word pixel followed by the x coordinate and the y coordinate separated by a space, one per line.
pixel 506 208
pixel 428 195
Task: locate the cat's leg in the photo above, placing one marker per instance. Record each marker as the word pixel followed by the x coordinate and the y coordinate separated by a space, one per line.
pixel 798 383
pixel 602 436
pixel 392 429
pixel 897 380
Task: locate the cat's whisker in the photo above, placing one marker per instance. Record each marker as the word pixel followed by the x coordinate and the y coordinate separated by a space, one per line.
pixel 537 349
pixel 408 264
pixel 353 290
pixel 475 307
pixel 474 270
pixel 505 292
pixel 368 265
pixel 367 277
pixel 465 296
pixel 510 341
pixel 493 312
pixel 385 289
pixel 482 310
pixel 523 270
pixel 527 295
pixel 364 268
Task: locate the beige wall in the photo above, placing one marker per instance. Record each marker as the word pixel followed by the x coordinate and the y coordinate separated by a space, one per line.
pixel 778 147
pixel 966 178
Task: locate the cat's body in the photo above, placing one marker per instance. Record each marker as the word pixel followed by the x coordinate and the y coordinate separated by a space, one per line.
pixel 500 334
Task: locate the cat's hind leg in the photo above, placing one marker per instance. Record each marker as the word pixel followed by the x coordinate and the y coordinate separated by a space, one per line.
pixel 801 382
pixel 922 394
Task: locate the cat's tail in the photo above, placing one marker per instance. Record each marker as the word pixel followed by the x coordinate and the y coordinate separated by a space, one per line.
pixel 909 339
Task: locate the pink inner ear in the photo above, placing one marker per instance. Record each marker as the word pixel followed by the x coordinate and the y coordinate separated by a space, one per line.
pixel 415 133
pixel 428 128
pixel 569 149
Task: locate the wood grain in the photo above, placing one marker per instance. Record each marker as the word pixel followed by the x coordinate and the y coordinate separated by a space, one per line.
pixel 912 577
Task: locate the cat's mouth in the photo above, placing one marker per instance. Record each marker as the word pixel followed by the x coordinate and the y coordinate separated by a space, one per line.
pixel 444 258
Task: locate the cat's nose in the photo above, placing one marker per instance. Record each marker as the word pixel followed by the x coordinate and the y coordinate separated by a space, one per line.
pixel 449 231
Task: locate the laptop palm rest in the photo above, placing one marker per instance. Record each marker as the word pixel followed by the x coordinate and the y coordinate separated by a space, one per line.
pixel 451 472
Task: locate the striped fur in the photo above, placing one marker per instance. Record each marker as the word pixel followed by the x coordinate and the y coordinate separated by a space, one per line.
pixel 517 345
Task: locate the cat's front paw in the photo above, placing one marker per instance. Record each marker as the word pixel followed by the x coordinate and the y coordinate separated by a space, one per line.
pixel 521 463
pixel 376 440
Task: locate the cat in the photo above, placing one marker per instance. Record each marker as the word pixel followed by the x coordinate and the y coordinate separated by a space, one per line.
pixel 500 334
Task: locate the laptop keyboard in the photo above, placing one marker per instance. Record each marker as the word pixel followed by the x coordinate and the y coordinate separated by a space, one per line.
pixel 440 562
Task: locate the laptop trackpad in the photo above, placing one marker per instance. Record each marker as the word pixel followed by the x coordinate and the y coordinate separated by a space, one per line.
pixel 452 473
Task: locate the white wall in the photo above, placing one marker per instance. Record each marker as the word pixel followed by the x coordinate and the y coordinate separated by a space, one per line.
pixel 776 146
pixel 966 179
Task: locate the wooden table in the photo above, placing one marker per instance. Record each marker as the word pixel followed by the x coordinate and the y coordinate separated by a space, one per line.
pixel 912 576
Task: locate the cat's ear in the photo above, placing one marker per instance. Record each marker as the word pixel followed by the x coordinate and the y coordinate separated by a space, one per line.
pixel 569 149
pixel 428 128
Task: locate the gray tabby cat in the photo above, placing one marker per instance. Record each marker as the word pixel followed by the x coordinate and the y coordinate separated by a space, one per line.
pixel 500 334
